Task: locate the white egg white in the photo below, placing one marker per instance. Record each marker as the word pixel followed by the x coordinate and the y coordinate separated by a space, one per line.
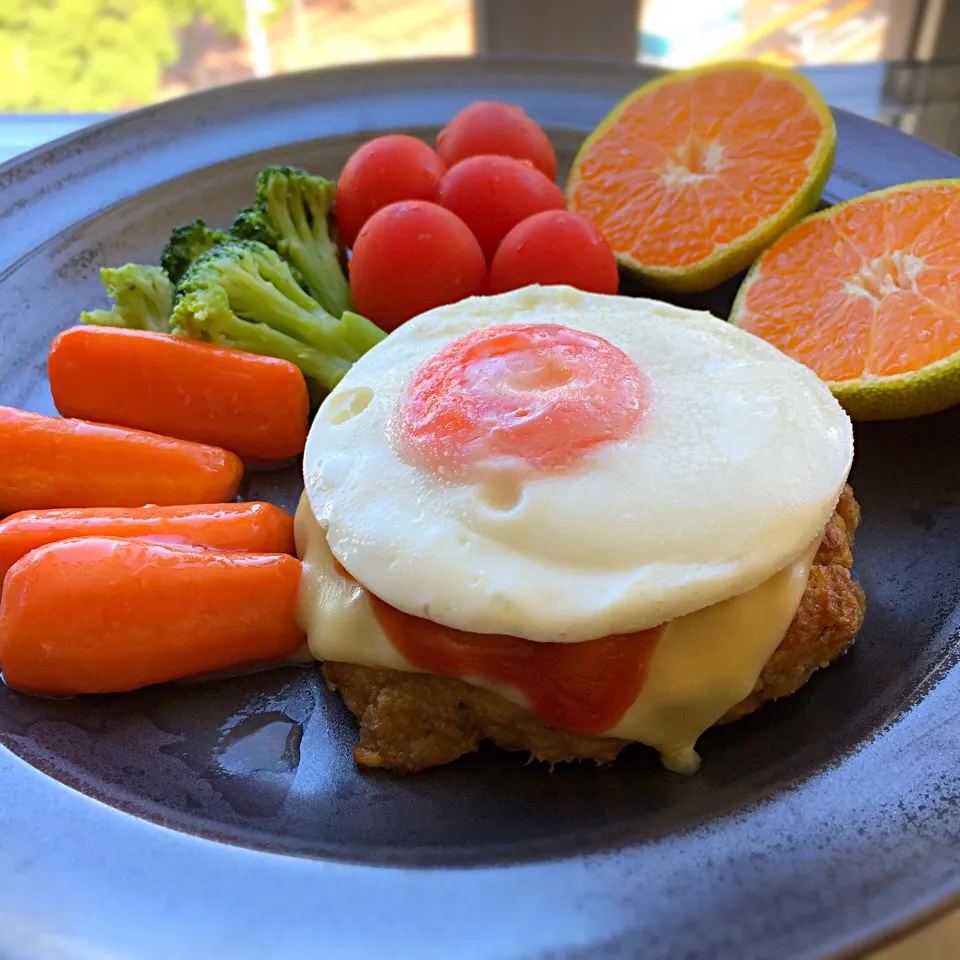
pixel 729 479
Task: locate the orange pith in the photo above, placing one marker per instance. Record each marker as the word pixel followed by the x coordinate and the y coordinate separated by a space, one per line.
pixel 693 164
pixel 868 289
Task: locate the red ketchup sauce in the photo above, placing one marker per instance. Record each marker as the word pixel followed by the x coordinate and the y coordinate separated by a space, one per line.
pixel 582 688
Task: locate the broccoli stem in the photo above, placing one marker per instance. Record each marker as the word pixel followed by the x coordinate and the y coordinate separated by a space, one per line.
pixel 362 334
pixel 105 318
pixel 277 272
pixel 255 300
pixel 327 369
pixel 309 248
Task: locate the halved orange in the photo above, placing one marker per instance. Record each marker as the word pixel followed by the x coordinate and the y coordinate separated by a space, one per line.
pixel 695 173
pixel 867 294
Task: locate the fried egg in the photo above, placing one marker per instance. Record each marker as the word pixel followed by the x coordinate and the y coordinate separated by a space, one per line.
pixel 725 477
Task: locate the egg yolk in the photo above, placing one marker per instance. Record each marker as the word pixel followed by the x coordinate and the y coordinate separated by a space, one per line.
pixel 534 397
pixel 582 688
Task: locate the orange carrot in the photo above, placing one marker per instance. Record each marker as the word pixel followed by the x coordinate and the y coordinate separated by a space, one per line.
pixel 255 406
pixel 102 615
pixel 46 462
pixel 253 527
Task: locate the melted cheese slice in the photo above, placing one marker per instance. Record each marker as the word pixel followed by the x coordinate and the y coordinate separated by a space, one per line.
pixel 705 662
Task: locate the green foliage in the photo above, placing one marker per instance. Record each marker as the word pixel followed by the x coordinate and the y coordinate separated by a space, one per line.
pixel 97 55
pixel 225 14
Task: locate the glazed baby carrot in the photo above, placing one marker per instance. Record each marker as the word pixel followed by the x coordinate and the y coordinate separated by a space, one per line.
pixel 46 462
pixel 254 527
pixel 255 406
pixel 103 615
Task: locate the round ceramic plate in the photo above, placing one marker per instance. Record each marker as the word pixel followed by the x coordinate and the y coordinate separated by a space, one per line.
pixel 227 818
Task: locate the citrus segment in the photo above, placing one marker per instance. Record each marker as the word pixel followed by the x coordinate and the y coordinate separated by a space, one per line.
pixel 867 294
pixel 535 396
pixel 692 175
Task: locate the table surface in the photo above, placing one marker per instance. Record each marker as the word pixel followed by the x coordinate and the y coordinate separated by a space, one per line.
pixel 923 99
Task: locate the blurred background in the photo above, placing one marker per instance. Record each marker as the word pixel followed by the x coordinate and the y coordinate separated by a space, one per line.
pixel 896 60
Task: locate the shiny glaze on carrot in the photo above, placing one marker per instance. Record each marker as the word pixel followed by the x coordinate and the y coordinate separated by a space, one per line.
pixel 49 462
pixel 254 527
pixel 103 615
pixel 255 406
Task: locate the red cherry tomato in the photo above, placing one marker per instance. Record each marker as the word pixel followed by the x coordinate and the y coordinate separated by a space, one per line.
pixel 385 170
pixel 554 247
pixel 499 128
pixel 411 257
pixel 491 195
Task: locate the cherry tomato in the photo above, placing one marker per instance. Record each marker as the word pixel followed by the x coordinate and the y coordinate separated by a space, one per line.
pixel 499 128
pixel 491 195
pixel 554 247
pixel 385 170
pixel 411 257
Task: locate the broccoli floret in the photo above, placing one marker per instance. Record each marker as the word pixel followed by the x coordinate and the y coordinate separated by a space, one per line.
pixel 186 243
pixel 242 294
pixel 292 215
pixel 142 298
